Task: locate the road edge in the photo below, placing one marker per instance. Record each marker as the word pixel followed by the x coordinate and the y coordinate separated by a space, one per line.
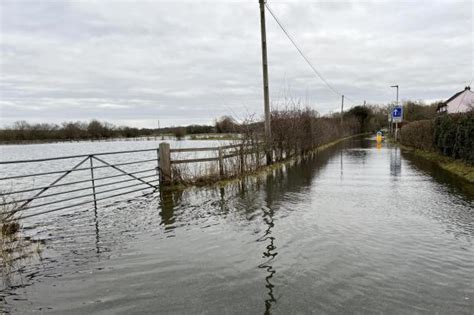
pixel 457 167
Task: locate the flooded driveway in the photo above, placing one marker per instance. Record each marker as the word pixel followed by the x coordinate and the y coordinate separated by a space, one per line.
pixel 357 229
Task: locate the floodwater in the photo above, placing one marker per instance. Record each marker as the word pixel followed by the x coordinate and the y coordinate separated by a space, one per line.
pixel 357 229
pixel 75 187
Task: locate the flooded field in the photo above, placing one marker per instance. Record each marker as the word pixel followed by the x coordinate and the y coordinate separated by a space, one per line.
pixel 357 229
pixel 45 178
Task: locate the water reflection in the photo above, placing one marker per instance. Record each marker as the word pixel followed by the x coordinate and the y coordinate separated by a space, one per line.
pixel 284 183
pixel 97 236
pixel 457 221
pixel 269 253
pixel 342 164
pixel 167 204
pixel 395 163
pixel 450 181
pixel 357 155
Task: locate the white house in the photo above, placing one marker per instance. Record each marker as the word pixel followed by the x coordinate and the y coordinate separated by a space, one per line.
pixel 460 102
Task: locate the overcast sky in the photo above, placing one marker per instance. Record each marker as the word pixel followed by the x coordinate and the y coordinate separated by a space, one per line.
pixel 183 62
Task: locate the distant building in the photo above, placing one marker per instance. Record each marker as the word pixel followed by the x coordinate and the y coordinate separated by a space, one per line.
pixel 460 102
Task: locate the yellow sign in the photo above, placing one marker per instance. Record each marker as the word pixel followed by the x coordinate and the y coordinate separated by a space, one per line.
pixel 379 138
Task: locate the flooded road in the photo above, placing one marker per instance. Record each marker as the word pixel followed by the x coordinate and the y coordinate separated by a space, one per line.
pixel 357 229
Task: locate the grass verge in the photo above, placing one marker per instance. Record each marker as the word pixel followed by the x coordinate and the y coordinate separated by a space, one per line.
pixel 456 167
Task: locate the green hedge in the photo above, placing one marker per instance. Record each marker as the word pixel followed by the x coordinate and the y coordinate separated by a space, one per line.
pixel 454 136
pixel 418 134
pixel 451 135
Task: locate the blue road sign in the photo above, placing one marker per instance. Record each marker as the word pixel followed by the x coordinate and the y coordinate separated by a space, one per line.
pixel 397 114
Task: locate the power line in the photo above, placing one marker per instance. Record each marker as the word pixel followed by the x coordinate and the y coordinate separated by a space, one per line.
pixel 303 55
pixel 350 100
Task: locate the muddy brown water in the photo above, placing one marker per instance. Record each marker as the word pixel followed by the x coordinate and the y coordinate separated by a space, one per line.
pixel 357 229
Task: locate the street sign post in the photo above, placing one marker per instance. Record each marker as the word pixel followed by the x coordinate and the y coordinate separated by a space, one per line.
pixel 397 117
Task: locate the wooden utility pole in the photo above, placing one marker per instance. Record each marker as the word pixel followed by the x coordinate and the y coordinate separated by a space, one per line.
pixel 266 96
pixel 342 109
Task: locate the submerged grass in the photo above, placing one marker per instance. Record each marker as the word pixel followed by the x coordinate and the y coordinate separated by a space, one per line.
pixel 15 248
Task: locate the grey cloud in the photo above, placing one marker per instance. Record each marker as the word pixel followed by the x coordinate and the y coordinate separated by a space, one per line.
pixel 191 61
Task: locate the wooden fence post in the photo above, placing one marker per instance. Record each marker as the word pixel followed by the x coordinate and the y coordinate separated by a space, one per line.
pixel 221 163
pixel 257 154
pixel 242 159
pixel 165 164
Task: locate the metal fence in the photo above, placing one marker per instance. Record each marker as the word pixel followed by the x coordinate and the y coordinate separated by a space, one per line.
pixel 35 187
pixel 41 186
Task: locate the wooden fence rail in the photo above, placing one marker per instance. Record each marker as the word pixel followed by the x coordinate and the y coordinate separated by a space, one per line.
pixel 240 150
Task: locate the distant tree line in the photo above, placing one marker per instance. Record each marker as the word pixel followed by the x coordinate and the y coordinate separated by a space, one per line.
pixel 94 129
pixel 369 118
